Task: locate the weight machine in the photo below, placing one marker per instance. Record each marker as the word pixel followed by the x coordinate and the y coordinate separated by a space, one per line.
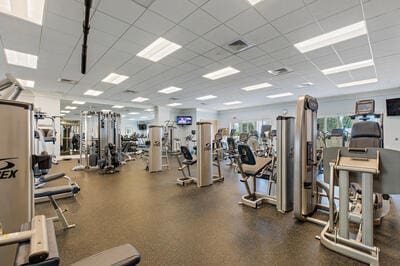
pixel 26 239
pixel 363 172
pixel 100 141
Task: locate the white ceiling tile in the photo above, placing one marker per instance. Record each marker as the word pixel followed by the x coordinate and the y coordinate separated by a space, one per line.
pixel 125 10
pixel 22 43
pixel 352 43
pixel 324 8
pixel 217 54
pixel 171 61
pixel 386 33
pixel 223 11
pixel 375 8
pixel 231 60
pixel 175 10
pixel 274 44
pixel 285 53
pixel 199 2
pixel 63 24
pixel 200 22
pixel 221 35
pixel 363 73
pixel 14 25
pixel 320 52
pixel 200 46
pixel 294 20
pixel 153 23
pixel 343 19
pixel 246 21
pixel 328 61
pixel 139 36
pixel 101 38
pixel 386 47
pixel 251 53
pixel 384 21
pixel 201 61
pixel 110 25
pixel 262 34
pixel 180 35
pixel 70 9
pixel 135 65
pixel 262 60
pixel 304 33
pixel 273 9
pixel 128 47
pixel 355 54
pixel 293 60
pixel 183 54
pixel 56 42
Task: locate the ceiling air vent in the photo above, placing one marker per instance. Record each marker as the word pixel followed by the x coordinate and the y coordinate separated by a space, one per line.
pixel 130 91
pixel 173 99
pixel 280 71
pixel 67 81
pixel 239 46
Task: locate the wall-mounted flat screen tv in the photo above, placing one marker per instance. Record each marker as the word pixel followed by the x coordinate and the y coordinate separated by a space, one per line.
pixel 393 107
pixel 183 120
pixel 142 126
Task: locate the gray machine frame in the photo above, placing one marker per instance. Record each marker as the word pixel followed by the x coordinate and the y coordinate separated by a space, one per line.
pixel 105 128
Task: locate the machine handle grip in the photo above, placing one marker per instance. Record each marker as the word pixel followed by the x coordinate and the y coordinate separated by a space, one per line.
pixel 358 150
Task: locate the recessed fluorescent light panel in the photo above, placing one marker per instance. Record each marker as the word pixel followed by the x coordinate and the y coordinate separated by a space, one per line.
pixel 106 111
pixel 26 83
pixel 227 71
pixel 114 78
pixel 286 94
pixel 169 90
pixel 78 102
pixel 207 97
pixel 21 59
pixel 254 2
pixel 62 114
pixel 232 103
pixel 174 104
pixel 123 115
pixel 257 86
pixel 30 10
pixel 359 82
pixel 70 107
pixel 158 50
pixel 348 67
pixel 117 106
pixel 149 110
pixel 140 99
pixel 134 113
pixel 65 111
pixel 93 93
pixel 336 36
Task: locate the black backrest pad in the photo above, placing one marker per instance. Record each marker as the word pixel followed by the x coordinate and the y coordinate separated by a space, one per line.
pixel 246 155
pixel 366 129
pixel 186 153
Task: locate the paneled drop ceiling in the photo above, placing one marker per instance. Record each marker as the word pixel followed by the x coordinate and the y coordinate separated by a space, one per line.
pixel 120 29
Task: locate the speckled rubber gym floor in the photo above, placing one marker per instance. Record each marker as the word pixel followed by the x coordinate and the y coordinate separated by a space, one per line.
pixel 174 225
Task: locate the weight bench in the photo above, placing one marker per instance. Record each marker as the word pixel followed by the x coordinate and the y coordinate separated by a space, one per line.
pixel 51 193
pixel 123 255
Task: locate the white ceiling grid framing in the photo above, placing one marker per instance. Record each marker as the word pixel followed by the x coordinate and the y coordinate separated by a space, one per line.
pixel 120 29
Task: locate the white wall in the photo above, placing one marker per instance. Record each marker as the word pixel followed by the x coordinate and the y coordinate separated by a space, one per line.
pixel 50 105
pixel 206 115
pixel 343 105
